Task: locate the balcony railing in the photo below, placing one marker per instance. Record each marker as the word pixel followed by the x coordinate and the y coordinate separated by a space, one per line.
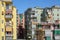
pixel 34 22
pixel 33 15
pixel 57 37
pixel 57 29
pixel 9 35
pixel 8 24
pixel 9 29
pixel 9 38
pixel 8 16
pixel 8 11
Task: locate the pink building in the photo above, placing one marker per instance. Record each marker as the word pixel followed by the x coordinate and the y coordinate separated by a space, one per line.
pixel 21 20
pixel 20 26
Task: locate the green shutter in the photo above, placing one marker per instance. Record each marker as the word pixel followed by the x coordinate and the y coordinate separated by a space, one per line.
pixel 21 18
pixel 48 38
pixel 27 28
pixel 57 32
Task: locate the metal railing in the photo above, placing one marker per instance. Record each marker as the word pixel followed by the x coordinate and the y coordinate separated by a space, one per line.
pixel 8 16
pixel 8 24
pixel 9 35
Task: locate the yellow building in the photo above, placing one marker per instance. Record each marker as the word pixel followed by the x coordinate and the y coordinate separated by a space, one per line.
pixel 7 20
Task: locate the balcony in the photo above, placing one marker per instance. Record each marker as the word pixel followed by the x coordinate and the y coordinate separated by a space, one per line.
pixel 6 0
pixel 9 38
pixel 8 24
pixel 8 16
pixel 33 16
pixel 57 37
pixel 9 35
pixel 47 32
pixel 34 22
pixel 49 16
pixel 9 28
pixel 8 11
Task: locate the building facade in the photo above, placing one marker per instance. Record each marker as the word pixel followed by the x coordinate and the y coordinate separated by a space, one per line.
pixel 21 26
pixel 7 20
pixel 22 20
pixel 56 20
pixel 52 22
pixel 32 18
pixel 56 13
pixel 47 19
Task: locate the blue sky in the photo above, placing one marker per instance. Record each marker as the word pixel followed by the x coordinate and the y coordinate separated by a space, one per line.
pixel 22 5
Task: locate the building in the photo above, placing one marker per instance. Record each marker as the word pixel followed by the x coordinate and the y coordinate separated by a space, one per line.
pixel 21 26
pixel 56 13
pixel 56 20
pixel 47 19
pixel 52 14
pixel 47 15
pixel 22 20
pixel 7 20
pixel 18 20
pixel 46 23
pixel 32 18
pixel 52 21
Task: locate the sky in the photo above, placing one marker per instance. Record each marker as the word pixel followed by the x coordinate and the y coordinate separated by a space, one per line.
pixel 23 5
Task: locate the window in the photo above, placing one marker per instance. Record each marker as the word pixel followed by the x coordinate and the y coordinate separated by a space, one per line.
pixel 57 9
pixel 17 17
pixel 35 20
pixel 8 32
pixel 9 38
pixel 2 37
pixel 2 12
pixel 47 27
pixel 36 11
pixel 22 20
pixel 53 18
pixel 39 26
pixel 2 4
pixel 2 29
pixel 2 21
pixel 33 13
pixel 17 20
pixel 57 14
pixel 7 6
pixel 52 9
pixel 57 18
pixel 53 14
pixel 27 17
pixel 21 23
pixel 56 26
